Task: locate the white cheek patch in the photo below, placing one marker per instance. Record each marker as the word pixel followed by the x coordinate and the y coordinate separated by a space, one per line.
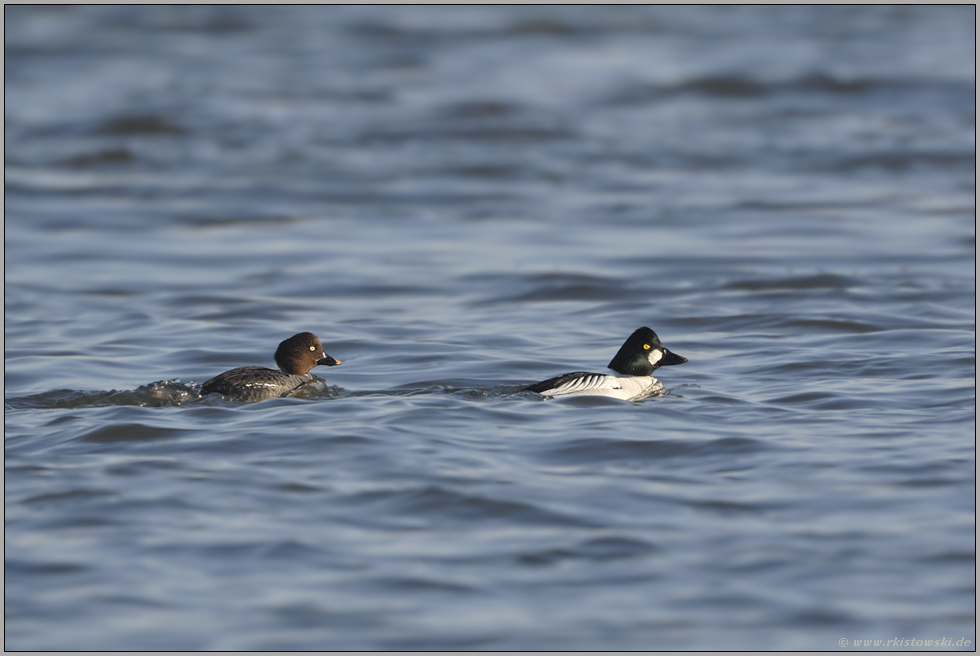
pixel 655 356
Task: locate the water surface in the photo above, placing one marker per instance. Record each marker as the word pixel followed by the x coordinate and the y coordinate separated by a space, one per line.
pixel 459 202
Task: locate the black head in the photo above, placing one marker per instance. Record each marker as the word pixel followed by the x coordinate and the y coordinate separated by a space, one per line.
pixel 642 353
pixel 300 353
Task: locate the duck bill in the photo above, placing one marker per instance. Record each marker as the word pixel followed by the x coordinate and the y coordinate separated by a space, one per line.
pixel 328 361
pixel 671 358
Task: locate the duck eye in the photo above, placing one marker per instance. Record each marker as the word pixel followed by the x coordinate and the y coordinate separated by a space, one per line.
pixel 312 348
pixel 646 347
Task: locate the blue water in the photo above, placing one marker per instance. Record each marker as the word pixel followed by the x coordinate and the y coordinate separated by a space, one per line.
pixel 460 202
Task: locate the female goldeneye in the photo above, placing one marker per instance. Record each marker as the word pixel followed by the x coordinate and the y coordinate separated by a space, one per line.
pixel 295 357
pixel 637 359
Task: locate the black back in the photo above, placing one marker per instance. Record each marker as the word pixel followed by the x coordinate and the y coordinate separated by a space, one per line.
pixel 557 381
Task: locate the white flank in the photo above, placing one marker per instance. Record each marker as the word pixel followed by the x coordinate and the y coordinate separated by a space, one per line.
pixel 627 388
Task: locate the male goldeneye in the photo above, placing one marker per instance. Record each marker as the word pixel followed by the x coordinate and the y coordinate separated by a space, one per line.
pixel 295 357
pixel 637 359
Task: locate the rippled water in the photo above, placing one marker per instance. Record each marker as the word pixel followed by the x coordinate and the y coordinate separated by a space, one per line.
pixel 460 202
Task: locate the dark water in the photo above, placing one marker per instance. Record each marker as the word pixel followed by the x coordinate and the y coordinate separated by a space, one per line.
pixel 459 202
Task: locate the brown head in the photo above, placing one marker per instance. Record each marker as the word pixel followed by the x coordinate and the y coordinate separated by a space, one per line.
pixel 300 353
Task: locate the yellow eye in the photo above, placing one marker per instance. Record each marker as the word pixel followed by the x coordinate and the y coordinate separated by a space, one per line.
pixel 312 348
pixel 646 347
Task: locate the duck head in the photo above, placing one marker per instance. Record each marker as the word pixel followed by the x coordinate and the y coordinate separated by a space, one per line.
pixel 642 353
pixel 300 353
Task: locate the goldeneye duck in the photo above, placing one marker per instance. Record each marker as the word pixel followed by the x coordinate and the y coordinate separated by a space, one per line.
pixel 295 357
pixel 638 357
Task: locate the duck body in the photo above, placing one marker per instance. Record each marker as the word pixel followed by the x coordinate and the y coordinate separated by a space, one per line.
pixel 583 383
pixel 295 357
pixel 639 356
pixel 250 384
